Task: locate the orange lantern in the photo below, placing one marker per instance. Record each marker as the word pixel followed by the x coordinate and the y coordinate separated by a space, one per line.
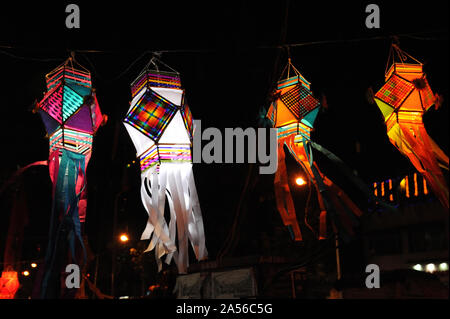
pixel 403 100
pixel 9 284
pixel 293 112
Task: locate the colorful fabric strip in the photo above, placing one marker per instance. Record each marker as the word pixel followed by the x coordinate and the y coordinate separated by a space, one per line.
pixel 187 119
pixel 403 68
pixel 292 81
pixel 80 77
pixel 271 113
pixel 71 140
pixel 162 79
pixel 166 153
pixel 294 129
pixel 426 95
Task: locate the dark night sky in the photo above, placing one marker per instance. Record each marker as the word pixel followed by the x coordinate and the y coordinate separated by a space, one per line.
pixel 226 86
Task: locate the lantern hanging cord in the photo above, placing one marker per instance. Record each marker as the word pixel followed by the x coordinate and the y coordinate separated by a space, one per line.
pixel 156 58
pixel 414 35
pixel 157 53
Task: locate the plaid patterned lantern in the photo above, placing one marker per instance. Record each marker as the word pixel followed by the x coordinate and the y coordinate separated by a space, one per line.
pixel 403 100
pixel 293 112
pixel 70 110
pixel 160 125
pixel 71 115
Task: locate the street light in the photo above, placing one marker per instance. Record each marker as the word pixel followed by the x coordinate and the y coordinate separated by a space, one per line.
pixel 33 265
pixel 26 273
pixel 300 181
pixel 123 238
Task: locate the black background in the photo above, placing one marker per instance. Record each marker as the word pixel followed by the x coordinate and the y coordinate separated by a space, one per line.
pixel 228 75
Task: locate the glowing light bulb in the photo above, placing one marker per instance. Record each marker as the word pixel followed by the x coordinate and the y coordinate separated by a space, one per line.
pixel 300 181
pixel 443 267
pixel 418 267
pixel 431 268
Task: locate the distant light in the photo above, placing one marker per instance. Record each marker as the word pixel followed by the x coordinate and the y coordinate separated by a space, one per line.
pixel 425 189
pixel 124 297
pixel 33 265
pixel 128 165
pixel 123 238
pixel 418 267
pixel 416 189
pixel 300 181
pixel 443 267
pixel 26 273
pixel 431 268
pixel 403 183
pixel 407 186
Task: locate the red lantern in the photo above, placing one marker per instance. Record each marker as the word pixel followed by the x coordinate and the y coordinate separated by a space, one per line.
pixel 9 284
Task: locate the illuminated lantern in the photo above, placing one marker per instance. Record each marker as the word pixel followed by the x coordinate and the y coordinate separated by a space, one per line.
pixel 9 284
pixel 71 115
pixel 403 100
pixel 293 112
pixel 160 125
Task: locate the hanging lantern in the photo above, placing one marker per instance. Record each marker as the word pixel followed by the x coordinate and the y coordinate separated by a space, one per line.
pixel 160 125
pixel 403 100
pixel 72 116
pixel 293 112
pixel 9 284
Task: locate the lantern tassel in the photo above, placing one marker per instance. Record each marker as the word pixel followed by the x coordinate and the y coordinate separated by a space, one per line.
pixel 185 224
pixel 413 141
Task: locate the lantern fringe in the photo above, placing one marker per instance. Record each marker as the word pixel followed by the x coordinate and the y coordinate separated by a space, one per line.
pixel 69 185
pixel 413 141
pixel 333 201
pixel 185 224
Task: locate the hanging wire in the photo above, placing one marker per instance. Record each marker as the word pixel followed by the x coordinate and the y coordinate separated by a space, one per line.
pixel 27 58
pixel 416 35
pixel 130 66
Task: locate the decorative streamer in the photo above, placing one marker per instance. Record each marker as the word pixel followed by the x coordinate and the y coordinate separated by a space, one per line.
pixel 71 116
pixel 293 112
pixel 160 125
pixel 403 100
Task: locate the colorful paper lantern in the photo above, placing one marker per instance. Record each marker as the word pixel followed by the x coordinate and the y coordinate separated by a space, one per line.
pixel 160 125
pixel 9 284
pixel 403 100
pixel 293 112
pixel 71 115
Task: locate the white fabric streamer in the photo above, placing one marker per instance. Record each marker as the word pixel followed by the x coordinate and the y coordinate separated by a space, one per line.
pixel 176 181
